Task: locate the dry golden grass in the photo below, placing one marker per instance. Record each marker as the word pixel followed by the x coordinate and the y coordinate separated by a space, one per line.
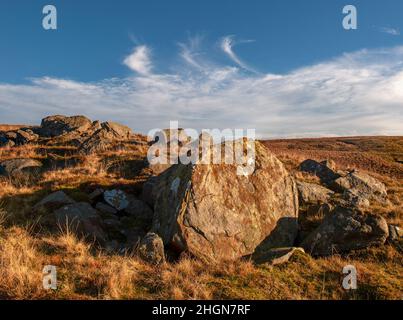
pixel 9 127
pixel 85 272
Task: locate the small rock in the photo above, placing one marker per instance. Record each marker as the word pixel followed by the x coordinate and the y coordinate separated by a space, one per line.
pixel 25 136
pixel 117 199
pixel 54 201
pixel 139 209
pixel 151 249
pixel 95 194
pixel 395 233
pixel 5 142
pixel 276 256
pixel 313 193
pixel 330 164
pixel 325 174
pixel 104 208
pixel 18 166
pixel 82 218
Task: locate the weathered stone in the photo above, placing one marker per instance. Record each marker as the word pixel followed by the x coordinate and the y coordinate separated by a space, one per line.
pixel 344 230
pixel 329 163
pixel 357 201
pixel 117 130
pixel 116 198
pixel 312 193
pixel 151 249
pixel 12 135
pixel 275 256
pixel 210 211
pixel 25 136
pixel 95 144
pixel 395 233
pixel 95 194
pixel 319 210
pixel 359 184
pixel 150 191
pixel 104 208
pixel 139 209
pixel 54 201
pixel 58 125
pixel 5 141
pixel 325 174
pixel 83 219
pixel 19 166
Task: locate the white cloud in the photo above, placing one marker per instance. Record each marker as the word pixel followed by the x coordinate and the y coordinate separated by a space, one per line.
pixel 227 44
pixel 139 60
pixel 391 31
pixel 357 93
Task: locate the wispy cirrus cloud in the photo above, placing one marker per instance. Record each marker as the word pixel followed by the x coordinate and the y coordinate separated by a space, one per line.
pixel 139 60
pixel 357 93
pixel 227 45
pixel 391 31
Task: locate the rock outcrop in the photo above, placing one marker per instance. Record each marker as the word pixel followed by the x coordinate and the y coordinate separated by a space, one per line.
pixel 344 230
pixel 17 137
pixel 361 188
pixel 58 125
pixel 14 167
pixel 199 210
pixel 79 131
pixel 310 193
pixel 320 169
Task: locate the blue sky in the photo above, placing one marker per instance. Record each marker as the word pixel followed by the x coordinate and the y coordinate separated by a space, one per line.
pixel 286 68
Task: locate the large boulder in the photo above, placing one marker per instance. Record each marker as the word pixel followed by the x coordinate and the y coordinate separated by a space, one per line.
pixel 83 219
pixel 360 187
pixel 14 167
pixel 57 125
pixel 344 230
pixel 106 138
pixel 211 211
pixel 310 193
pixel 320 169
pixel 17 137
pixel 116 130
